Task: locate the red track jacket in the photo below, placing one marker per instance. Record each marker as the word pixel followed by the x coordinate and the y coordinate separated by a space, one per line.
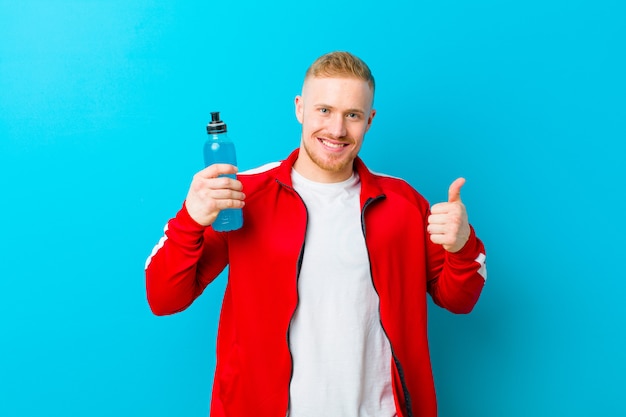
pixel 254 366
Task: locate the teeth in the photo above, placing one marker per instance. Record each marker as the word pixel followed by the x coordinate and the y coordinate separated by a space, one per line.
pixel 332 145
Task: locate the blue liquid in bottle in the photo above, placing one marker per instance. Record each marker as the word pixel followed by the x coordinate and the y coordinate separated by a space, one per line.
pixel 220 149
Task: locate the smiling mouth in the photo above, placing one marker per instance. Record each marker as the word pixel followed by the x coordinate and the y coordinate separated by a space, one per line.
pixel 332 145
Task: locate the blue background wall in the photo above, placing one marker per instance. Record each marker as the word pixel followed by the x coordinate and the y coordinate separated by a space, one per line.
pixel 102 112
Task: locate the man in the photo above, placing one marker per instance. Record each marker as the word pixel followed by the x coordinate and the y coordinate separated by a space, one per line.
pixel 324 312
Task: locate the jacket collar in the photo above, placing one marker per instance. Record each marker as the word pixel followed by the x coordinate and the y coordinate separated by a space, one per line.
pixel 370 185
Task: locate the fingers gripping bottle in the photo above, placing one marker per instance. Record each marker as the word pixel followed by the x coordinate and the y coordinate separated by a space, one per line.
pixel 220 149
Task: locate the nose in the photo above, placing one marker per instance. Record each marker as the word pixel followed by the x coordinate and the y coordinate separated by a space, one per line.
pixel 337 126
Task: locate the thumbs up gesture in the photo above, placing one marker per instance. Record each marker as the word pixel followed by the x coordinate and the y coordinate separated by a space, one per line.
pixel 447 224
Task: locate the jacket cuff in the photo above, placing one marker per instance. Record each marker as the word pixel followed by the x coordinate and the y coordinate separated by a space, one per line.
pixel 186 221
pixel 468 252
pixel 185 230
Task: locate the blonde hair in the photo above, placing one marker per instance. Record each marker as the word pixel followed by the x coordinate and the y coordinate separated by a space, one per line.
pixel 341 64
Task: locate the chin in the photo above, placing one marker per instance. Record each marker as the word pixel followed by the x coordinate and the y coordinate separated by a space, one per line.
pixel 333 165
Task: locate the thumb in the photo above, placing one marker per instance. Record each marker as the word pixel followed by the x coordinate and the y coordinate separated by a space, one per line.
pixel 454 192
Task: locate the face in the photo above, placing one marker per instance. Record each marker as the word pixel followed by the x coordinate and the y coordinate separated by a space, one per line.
pixel 335 114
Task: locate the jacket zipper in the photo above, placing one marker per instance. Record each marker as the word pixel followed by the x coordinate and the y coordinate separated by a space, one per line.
pixel 298 268
pixel 407 397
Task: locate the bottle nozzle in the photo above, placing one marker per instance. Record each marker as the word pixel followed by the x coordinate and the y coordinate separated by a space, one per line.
pixel 216 125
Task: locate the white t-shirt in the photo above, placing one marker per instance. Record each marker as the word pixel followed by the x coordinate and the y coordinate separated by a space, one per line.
pixel 341 355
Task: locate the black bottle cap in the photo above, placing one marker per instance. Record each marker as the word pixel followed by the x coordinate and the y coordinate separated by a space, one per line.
pixel 216 125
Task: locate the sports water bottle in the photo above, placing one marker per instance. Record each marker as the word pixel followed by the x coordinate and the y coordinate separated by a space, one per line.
pixel 219 149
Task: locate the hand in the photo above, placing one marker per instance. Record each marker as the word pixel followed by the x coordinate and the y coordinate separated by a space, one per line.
pixel 209 193
pixel 447 223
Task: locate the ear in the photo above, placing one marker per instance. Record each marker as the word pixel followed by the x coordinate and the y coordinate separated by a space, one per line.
pixel 299 108
pixel 370 119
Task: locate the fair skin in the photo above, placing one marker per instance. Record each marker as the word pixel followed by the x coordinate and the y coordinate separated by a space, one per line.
pixel 335 114
pixel 448 224
pixel 209 194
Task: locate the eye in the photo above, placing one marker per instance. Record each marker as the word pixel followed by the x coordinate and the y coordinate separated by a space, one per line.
pixel 324 110
pixel 352 116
